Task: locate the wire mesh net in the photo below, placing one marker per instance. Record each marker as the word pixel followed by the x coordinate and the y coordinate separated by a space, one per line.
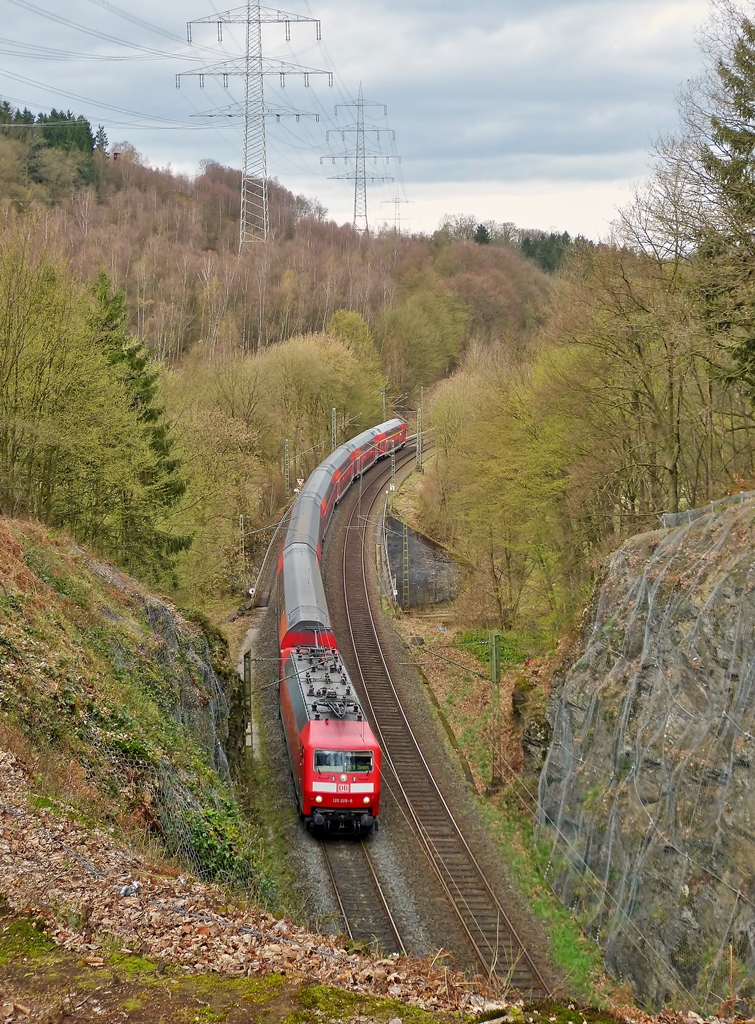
pixel 670 520
pixel 646 798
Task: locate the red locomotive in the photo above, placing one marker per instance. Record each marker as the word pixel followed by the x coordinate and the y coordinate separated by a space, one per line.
pixel 334 754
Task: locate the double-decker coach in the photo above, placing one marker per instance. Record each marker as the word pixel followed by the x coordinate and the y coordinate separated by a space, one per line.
pixel 334 755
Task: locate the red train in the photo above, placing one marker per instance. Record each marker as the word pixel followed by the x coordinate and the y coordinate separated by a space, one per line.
pixel 335 757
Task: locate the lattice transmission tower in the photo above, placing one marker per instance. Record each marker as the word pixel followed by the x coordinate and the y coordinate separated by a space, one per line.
pixel 397 202
pixel 361 155
pixel 253 67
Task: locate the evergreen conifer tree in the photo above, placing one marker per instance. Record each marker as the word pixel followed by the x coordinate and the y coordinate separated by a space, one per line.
pixel 726 243
pixel 143 539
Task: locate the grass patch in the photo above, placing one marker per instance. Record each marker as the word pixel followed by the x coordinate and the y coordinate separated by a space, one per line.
pixel 275 885
pixel 577 957
pixel 43 803
pixel 516 645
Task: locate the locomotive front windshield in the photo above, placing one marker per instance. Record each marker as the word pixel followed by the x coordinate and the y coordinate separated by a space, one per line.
pixel 343 761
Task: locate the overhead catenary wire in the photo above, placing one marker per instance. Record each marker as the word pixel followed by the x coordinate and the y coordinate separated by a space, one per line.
pixel 304 140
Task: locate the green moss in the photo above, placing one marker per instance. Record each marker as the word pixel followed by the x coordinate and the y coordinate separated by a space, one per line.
pixel 335 1003
pixel 250 990
pixel 24 938
pixel 131 963
pixel 300 1017
pixel 206 1015
pixel 558 1013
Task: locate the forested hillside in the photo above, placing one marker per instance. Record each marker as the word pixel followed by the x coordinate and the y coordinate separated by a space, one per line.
pixel 172 244
pixel 638 399
pixel 151 374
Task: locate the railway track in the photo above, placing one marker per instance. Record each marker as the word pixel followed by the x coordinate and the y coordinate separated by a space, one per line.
pixel 363 905
pixel 491 934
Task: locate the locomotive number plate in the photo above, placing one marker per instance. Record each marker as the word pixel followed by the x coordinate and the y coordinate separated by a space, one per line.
pixel 343 787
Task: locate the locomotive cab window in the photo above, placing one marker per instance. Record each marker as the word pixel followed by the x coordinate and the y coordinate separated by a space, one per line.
pixel 343 761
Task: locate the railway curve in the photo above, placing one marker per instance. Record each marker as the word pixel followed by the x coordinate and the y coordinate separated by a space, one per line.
pixel 488 927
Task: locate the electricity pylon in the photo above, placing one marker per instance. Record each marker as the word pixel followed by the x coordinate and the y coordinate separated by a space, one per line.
pixel 279 113
pixel 253 67
pixel 397 201
pixel 360 176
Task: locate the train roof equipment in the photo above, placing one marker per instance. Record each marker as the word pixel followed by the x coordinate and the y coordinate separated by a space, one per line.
pixel 323 682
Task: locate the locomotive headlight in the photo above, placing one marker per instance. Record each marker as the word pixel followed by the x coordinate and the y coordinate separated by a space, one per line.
pixel 344 778
pixel 366 800
pixel 318 799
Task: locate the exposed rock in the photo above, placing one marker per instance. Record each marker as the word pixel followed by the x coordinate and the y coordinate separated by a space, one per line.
pixel 520 696
pixel 647 793
pixel 535 739
pixel 200 703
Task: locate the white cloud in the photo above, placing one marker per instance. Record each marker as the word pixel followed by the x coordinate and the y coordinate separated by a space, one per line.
pixel 555 100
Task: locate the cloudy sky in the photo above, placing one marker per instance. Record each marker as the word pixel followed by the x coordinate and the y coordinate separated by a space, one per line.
pixel 533 111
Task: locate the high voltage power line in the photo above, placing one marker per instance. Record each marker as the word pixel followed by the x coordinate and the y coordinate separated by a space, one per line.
pixel 361 154
pixel 252 66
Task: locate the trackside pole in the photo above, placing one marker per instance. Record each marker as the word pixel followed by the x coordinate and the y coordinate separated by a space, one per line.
pixel 494 647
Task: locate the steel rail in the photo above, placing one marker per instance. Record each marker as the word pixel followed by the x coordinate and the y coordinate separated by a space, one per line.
pixel 384 901
pixel 360 896
pixel 488 960
pixel 336 889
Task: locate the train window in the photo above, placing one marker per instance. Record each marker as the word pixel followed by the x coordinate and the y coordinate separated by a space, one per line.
pixel 328 760
pixel 357 761
pixel 343 760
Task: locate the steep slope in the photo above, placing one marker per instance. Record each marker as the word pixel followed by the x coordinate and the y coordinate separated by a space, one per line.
pixel 112 700
pixel 646 795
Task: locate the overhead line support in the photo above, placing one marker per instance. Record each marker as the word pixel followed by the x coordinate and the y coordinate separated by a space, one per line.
pixel 253 67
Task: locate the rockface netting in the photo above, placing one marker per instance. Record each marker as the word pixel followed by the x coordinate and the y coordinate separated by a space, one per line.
pixel 671 519
pixel 647 797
